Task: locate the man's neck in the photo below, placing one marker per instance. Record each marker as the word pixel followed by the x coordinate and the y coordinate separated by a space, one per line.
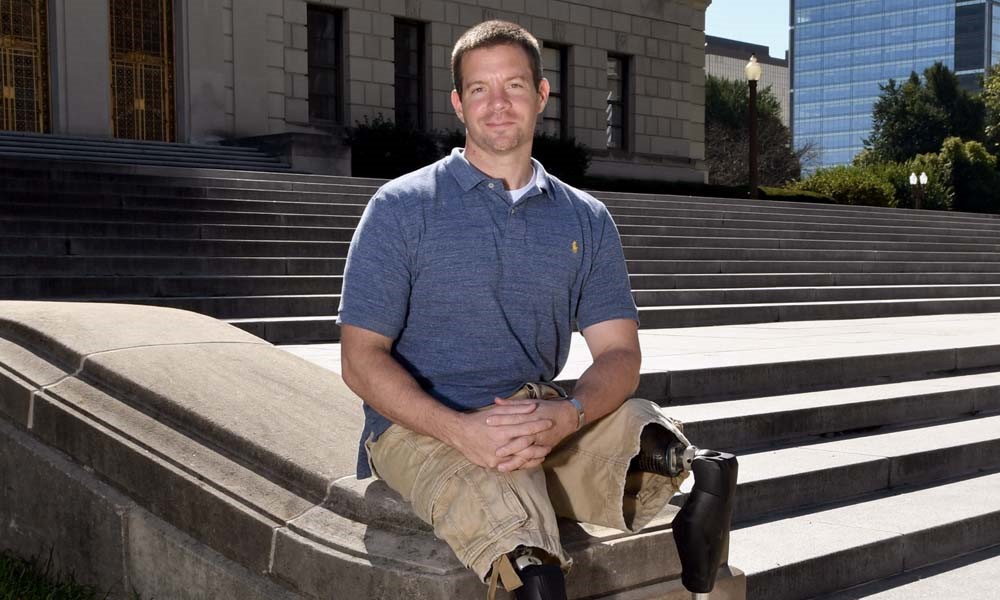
pixel 515 169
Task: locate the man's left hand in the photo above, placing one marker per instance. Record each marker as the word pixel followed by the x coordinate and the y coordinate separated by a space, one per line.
pixel 528 452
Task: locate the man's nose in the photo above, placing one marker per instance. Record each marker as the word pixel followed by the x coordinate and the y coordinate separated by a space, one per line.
pixel 499 100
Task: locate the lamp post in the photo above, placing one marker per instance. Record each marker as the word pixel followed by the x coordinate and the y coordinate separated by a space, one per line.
pixel 918 184
pixel 753 76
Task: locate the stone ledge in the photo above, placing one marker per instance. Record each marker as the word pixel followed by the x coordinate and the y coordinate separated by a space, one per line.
pixel 248 449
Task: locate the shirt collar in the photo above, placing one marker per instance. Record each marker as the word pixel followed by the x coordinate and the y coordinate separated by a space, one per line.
pixel 469 176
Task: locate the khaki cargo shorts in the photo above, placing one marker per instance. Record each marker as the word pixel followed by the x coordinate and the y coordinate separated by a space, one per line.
pixel 483 514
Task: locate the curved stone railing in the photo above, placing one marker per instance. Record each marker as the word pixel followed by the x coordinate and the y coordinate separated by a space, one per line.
pixel 239 458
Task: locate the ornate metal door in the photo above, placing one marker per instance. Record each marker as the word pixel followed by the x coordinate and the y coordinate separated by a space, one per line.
pixel 24 71
pixel 142 77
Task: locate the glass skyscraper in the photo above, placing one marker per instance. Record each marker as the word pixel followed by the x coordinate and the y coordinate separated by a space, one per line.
pixel 841 50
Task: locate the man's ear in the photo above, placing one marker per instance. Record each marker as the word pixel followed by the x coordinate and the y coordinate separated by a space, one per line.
pixel 456 103
pixel 543 94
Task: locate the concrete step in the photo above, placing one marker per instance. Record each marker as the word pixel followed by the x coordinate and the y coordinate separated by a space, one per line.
pixel 829 242
pixel 971 575
pixel 167 265
pixel 126 158
pixel 119 229
pixel 710 364
pixel 93 171
pixel 764 295
pixel 806 213
pixel 175 202
pixel 172 216
pixel 777 280
pixel 799 477
pixel 788 254
pixel 94 246
pixel 765 206
pixel 128 287
pixel 27 191
pixel 729 314
pixel 248 182
pixel 809 417
pixel 807 223
pixel 760 230
pixel 836 548
pixel 243 307
pixel 725 266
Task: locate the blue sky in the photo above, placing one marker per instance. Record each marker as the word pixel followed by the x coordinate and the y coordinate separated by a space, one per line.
pixel 755 21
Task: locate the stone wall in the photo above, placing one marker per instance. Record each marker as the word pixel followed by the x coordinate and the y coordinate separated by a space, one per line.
pixel 665 39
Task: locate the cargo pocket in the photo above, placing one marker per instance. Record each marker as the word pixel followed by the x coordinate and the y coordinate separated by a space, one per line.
pixel 474 508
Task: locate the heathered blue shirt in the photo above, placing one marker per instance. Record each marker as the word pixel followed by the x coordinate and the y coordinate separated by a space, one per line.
pixel 480 295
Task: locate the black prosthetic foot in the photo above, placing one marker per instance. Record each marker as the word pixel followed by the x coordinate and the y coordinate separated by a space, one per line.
pixel 701 528
pixel 541 582
pixel 540 574
pixel 660 452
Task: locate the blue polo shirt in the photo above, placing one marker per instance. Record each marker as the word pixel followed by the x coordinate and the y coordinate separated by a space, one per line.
pixel 480 294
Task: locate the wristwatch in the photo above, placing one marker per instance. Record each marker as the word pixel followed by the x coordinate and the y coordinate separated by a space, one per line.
pixel 579 411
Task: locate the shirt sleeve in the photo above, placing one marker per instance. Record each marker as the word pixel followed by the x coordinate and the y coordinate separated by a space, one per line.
pixel 376 290
pixel 607 292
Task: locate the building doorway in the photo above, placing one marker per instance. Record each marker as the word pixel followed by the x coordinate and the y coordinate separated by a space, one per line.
pixel 142 69
pixel 24 69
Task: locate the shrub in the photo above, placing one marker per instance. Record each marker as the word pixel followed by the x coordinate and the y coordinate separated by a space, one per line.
pixel 973 175
pixel 381 148
pixel 850 185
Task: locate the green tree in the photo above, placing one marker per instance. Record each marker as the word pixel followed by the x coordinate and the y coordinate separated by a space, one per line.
pixel 915 117
pixel 991 102
pixel 726 136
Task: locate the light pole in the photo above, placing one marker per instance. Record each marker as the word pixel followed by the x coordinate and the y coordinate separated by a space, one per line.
pixel 918 184
pixel 753 76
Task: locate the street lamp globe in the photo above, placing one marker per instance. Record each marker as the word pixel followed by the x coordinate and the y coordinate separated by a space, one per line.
pixel 913 178
pixel 923 178
pixel 752 69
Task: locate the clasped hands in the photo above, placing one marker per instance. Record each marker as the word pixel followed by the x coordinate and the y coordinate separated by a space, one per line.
pixel 514 434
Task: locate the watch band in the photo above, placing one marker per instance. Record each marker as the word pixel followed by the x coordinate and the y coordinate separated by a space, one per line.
pixel 579 411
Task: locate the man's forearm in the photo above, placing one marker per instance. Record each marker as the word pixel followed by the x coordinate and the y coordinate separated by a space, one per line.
pixel 608 382
pixel 378 378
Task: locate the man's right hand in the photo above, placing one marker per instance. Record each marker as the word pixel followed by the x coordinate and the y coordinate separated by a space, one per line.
pixel 479 442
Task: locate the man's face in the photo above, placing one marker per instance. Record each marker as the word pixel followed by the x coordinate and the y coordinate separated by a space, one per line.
pixel 499 102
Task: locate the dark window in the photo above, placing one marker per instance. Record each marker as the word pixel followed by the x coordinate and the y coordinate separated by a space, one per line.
pixel 325 65
pixel 970 37
pixel 409 46
pixel 554 118
pixel 617 109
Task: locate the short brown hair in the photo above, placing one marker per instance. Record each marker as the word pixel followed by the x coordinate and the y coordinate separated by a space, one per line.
pixel 496 33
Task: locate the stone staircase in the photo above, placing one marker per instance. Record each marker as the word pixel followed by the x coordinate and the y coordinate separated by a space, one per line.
pixel 265 251
pixel 869 447
pixel 47 147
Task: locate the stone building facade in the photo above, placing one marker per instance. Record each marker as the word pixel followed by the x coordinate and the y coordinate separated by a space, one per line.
pixel 628 74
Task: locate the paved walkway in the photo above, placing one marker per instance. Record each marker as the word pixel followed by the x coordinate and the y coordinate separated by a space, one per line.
pixel 732 345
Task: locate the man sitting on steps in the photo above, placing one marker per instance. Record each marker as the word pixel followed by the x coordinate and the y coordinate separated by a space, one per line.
pixel 461 288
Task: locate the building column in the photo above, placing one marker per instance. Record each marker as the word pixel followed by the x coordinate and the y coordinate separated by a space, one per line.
pixel 79 42
pixel 199 71
pixel 250 66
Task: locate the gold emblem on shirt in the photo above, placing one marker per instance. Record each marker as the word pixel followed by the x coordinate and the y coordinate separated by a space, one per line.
pixel 575 247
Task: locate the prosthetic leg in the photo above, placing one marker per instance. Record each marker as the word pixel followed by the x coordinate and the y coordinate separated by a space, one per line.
pixel 531 573
pixel 701 528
